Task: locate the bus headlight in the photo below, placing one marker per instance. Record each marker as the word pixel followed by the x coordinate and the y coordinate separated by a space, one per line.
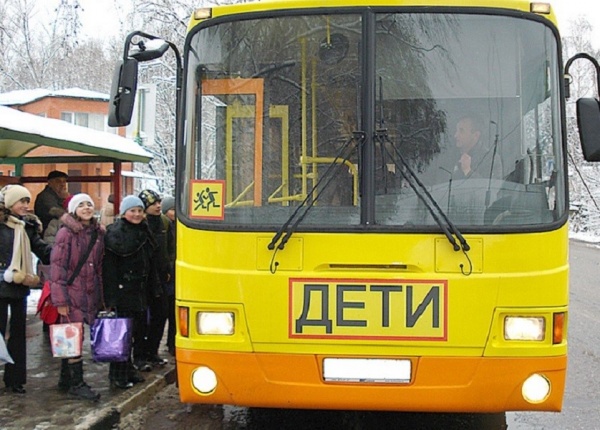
pixel 536 389
pixel 524 328
pixel 220 323
pixel 204 380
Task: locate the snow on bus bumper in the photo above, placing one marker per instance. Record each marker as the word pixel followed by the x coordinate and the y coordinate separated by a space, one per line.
pixel 443 384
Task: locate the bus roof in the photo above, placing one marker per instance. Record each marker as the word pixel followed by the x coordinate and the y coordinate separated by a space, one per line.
pixel 270 5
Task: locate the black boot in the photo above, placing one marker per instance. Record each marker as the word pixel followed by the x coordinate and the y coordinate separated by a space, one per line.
pixel 133 375
pixel 64 380
pixel 78 387
pixel 118 374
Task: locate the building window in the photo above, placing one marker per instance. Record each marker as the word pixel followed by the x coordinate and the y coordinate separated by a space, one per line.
pixel 142 110
pixel 83 119
pixel 95 121
pixel 78 118
pixel 67 116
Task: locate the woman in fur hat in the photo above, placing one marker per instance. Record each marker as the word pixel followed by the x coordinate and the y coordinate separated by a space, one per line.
pixel 77 296
pixel 19 236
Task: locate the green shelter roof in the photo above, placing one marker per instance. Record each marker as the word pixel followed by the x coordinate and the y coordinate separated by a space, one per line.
pixel 21 132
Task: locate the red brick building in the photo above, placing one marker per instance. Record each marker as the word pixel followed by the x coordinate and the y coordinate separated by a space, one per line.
pixel 79 107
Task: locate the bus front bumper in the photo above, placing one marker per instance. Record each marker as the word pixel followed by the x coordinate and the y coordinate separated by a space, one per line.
pixel 437 384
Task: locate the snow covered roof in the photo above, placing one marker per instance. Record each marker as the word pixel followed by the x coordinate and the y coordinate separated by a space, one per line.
pixel 21 97
pixel 21 132
pixel 139 175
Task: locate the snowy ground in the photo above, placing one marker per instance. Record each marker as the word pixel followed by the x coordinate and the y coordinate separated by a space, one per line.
pixel 585 237
pixel 32 301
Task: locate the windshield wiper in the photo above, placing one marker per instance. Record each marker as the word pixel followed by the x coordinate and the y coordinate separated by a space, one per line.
pixel 440 217
pixel 308 203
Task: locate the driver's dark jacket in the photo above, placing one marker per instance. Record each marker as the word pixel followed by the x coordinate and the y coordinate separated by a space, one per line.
pixel 481 164
pixel 128 269
pixel 40 248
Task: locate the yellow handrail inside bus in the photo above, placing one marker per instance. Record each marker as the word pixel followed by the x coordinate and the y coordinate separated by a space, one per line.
pixel 353 171
pixel 238 200
pixel 253 87
pixel 303 85
pixel 282 112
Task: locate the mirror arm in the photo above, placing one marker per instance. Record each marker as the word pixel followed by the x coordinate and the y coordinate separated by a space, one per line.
pixel 130 36
pixel 568 65
pixel 179 71
pixel 178 89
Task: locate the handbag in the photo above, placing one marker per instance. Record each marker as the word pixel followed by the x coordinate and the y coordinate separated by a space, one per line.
pixel 66 339
pixel 47 311
pixel 110 338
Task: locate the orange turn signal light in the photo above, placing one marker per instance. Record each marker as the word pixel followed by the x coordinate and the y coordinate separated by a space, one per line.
pixel 184 321
pixel 558 328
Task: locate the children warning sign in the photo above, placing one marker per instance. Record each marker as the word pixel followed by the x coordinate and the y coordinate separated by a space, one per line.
pixel 207 200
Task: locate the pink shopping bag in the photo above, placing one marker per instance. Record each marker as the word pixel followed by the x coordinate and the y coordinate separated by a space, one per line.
pixel 66 339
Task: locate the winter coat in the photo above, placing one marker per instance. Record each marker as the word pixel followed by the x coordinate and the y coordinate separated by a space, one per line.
pixel 160 226
pixel 48 205
pixel 107 214
pixel 50 233
pixel 172 249
pixel 129 264
pixel 40 248
pixel 84 295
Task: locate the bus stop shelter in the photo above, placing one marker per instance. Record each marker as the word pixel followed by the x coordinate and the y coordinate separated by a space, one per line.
pixel 21 133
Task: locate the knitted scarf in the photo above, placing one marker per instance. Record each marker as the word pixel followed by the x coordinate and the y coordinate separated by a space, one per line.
pixel 20 270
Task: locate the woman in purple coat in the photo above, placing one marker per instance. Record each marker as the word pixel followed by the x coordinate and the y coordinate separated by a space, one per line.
pixel 80 299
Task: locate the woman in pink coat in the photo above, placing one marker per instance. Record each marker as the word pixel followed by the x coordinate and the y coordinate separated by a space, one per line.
pixel 80 299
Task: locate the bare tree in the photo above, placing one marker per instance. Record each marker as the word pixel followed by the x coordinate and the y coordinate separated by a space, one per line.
pixel 585 182
pixel 166 19
pixel 46 48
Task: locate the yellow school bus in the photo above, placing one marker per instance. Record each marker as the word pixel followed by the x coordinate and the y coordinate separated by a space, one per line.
pixel 372 204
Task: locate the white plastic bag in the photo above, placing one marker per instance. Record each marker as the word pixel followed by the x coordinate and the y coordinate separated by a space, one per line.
pixel 4 355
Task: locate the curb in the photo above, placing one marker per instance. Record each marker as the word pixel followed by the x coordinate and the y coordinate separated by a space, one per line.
pixel 106 417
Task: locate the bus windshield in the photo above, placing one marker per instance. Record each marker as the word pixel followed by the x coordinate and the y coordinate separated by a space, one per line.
pixel 358 115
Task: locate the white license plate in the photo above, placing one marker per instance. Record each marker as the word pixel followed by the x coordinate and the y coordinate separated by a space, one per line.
pixel 367 370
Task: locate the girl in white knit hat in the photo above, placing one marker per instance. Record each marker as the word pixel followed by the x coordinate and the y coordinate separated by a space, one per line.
pixel 76 281
pixel 19 236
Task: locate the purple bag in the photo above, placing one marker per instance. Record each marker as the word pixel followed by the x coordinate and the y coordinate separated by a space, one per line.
pixel 111 338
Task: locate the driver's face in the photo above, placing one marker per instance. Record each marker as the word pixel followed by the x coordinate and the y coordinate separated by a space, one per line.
pixel 465 137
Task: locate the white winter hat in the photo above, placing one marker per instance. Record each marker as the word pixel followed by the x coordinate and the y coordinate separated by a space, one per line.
pixel 77 199
pixel 14 193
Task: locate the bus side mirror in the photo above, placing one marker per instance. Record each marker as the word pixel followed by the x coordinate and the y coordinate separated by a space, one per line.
pixel 149 50
pixel 588 121
pixel 122 93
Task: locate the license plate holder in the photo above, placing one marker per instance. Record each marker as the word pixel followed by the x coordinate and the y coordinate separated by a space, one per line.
pixel 367 370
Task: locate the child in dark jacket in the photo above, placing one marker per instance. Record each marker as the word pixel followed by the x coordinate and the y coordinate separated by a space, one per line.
pixel 157 303
pixel 19 236
pixel 128 273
